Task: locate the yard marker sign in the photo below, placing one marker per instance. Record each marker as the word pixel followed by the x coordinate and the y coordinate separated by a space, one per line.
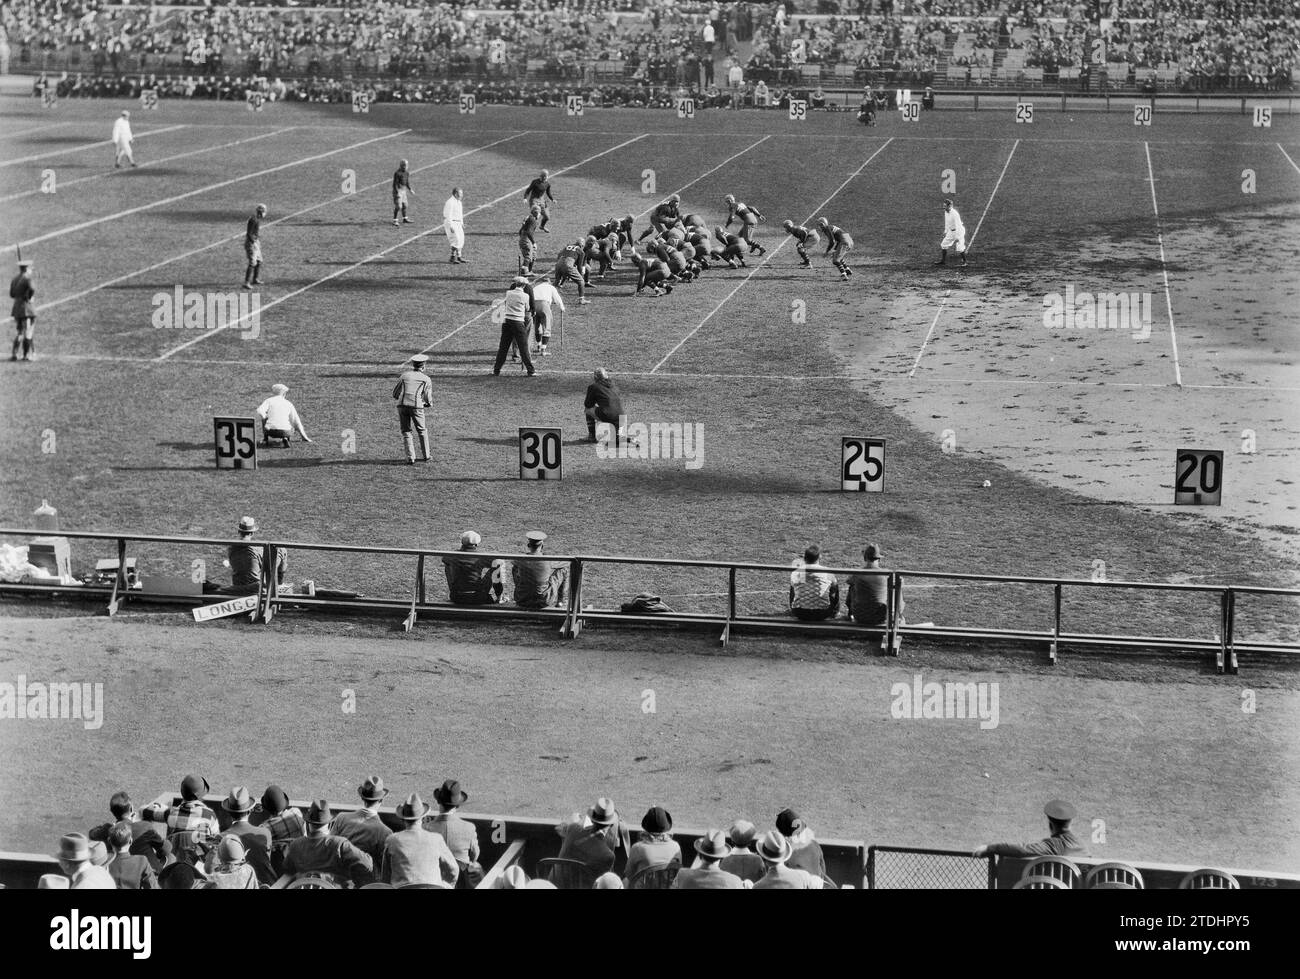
pixel 573 105
pixel 1198 477
pixel 149 98
pixel 236 442
pixel 798 110
pixel 541 453
pixel 686 108
pixel 361 102
pixel 468 104
pixel 1024 112
pixel 255 100
pixel 1264 116
pixel 206 613
pixel 1142 115
pixel 911 111
pixel 862 465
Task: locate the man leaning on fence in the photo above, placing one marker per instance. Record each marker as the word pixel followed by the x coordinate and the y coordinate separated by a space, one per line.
pixel 1061 842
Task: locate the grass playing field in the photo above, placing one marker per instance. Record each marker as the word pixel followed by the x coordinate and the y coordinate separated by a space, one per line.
pixel 1075 430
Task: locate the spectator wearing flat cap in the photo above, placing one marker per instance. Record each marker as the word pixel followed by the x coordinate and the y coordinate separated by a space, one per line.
pixel 192 827
pixel 320 853
pixel 814 594
pixel 471 579
pixel 245 559
pixel 869 593
pixel 145 839
pixel 74 858
pixel 595 840
pixel 656 847
pixel 413 393
pixel 363 827
pixel 256 840
pixel 709 875
pixel 460 834
pixel 129 872
pixel 231 871
pixel 774 849
pixel 279 417
pixel 805 851
pixel 413 855
pixel 742 860
pixel 1060 842
pixel 284 822
pixel 539 584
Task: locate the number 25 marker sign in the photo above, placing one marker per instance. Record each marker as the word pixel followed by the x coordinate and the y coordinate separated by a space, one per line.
pixel 862 465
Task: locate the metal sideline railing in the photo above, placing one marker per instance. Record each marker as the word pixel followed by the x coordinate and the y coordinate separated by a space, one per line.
pixel 575 614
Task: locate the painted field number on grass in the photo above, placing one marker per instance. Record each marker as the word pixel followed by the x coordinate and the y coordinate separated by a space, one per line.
pixel 685 108
pixel 149 98
pixel 1198 477
pixel 236 442
pixel 1141 115
pixel 468 104
pixel 1264 116
pixel 541 453
pixel 361 102
pixel 206 613
pixel 798 110
pixel 911 111
pixel 573 105
pixel 1024 112
pixel 862 465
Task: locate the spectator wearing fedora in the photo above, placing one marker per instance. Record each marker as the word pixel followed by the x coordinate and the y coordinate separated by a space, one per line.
pixel 608 882
pixel 471 579
pixel 708 875
pixel 191 826
pixel 869 593
pixel 774 849
pixel 594 841
pixel 414 855
pixel 53 882
pixel 246 560
pixel 255 839
pixel 320 853
pixel 1060 842
pixel 656 847
pixel 74 860
pixel 512 879
pixel 180 876
pixel 280 417
pixel 363 827
pixel 814 594
pixel 129 872
pixel 145 839
pixel 805 851
pixel 742 860
pixel 232 871
pixel 539 584
pixel 284 822
pixel 460 834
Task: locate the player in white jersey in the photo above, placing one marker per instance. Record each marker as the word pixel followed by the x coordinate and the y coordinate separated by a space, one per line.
pixel 954 234
pixel 546 299
pixel 122 140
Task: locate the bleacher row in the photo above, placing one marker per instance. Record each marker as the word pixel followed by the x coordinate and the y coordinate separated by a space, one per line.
pixel 518 852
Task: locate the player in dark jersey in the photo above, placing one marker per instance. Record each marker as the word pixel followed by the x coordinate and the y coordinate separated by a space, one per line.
pixel 528 243
pixel 804 238
pixel 652 272
pixel 401 191
pixel 253 248
pixel 748 217
pixel 601 250
pixel 663 217
pixel 731 252
pixel 539 194
pixel 625 231
pixel 841 242
pixel 571 266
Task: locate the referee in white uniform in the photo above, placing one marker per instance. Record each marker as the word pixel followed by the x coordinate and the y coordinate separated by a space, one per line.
pixel 954 234
pixel 453 219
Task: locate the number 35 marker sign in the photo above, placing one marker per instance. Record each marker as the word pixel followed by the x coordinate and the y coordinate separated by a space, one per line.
pixel 862 465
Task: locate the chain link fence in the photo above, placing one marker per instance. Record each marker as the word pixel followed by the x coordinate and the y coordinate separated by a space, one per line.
pixel 910 868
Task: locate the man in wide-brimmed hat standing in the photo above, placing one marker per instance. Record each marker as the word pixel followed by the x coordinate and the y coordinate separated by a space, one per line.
pixel 595 840
pixel 775 850
pixel 709 875
pixel 256 840
pixel 320 853
pixel 461 835
pixel 74 861
pixel 414 855
pixel 363 827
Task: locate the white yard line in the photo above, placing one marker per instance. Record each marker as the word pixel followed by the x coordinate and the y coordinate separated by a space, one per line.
pixel 1288 158
pixel 766 258
pixel 84 146
pixel 480 315
pixel 378 255
pixel 150 163
pixel 223 241
pixel 1169 303
pixel 194 193
pixel 944 302
pixel 37 129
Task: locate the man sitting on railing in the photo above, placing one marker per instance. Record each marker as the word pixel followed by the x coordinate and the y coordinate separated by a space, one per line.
pixel 813 594
pixel 473 580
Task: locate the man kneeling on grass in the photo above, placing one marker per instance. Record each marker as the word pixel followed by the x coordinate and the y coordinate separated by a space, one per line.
pixel 814 594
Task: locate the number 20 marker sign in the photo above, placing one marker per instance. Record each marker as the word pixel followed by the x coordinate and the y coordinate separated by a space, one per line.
pixel 862 465
pixel 1198 477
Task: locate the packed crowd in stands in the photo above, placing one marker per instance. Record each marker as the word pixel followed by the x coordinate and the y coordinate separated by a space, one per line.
pixel 1209 43
pixel 253 843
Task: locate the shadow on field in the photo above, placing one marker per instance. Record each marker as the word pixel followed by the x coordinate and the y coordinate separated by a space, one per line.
pixel 488 441
pixel 184 446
